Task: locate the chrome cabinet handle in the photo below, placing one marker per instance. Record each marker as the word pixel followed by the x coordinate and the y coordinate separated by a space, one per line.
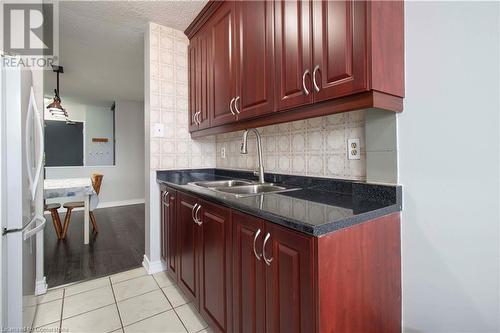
pixel 194 118
pixel 165 199
pixel 198 114
pixel 231 106
pixel 258 256
pixel 266 260
pixel 236 105
pixel 306 92
pixel 314 78
pixel 192 212
pixel 198 221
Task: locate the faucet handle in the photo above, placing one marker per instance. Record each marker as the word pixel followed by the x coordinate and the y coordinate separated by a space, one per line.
pixel 243 148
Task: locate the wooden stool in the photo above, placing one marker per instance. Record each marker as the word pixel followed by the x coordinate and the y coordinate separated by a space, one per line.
pixel 52 208
pixel 96 183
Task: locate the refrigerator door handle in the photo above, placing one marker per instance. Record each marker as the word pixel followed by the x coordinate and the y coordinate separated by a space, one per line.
pixel 33 111
pixel 31 232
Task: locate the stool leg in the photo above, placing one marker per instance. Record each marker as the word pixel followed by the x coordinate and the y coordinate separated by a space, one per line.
pixel 66 222
pixel 94 223
pixel 57 222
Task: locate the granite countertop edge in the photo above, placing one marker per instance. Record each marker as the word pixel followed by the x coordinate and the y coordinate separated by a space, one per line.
pixel 303 227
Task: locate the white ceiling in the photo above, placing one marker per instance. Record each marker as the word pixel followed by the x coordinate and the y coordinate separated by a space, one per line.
pixel 102 46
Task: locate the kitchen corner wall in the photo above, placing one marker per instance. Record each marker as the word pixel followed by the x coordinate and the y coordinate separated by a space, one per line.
pixel 166 102
pixel 168 91
pixel 314 147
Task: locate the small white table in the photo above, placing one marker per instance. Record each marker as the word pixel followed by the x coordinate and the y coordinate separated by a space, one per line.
pixel 74 187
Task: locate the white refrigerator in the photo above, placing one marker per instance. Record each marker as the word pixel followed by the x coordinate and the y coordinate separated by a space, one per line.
pixel 21 207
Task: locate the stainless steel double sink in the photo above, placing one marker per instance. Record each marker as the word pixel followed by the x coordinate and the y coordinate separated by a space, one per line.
pixel 242 188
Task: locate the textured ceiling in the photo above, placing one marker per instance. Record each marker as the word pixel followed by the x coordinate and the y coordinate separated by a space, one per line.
pixel 102 46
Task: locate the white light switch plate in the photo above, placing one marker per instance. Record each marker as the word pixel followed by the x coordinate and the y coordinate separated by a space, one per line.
pixel 158 130
pixel 223 152
pixel 353 149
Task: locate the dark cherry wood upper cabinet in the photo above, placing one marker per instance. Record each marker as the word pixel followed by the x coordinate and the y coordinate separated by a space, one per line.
pixel 194 83
pixel 187 247
pixel 215 266
pixel 248 274
pixel 223 71
pixel 340 49
pixel 204 61
pixel 255 58
pixel 289 281
pixel 293 47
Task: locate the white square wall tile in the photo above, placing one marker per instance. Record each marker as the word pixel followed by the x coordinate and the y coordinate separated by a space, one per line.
pixel 134 287
pixel 166 322
pixel 102 320
pixel 191 318
pixel 140 307
pixel 87 301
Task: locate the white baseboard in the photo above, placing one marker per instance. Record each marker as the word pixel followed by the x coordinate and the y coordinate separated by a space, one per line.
pixel 153 267
pixel 41 286
pixel 105 204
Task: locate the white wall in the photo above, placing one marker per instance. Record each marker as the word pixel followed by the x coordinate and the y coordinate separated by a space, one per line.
pixel 449 167
pixel 124 182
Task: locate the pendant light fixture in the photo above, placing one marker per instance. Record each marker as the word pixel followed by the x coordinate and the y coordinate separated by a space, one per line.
pixel 55 108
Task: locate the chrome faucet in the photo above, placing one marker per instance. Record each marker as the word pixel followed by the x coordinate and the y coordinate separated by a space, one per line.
pixel 244 150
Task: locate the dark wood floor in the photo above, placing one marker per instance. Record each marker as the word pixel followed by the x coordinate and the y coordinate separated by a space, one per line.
pixel 117 247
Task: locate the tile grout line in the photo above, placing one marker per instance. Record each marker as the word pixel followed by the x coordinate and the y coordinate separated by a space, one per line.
pixel 173 309
pixel 62 310
pixel 116 304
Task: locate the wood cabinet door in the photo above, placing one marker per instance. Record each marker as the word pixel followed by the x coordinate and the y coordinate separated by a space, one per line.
pixel 289 281
pixel 187 246
pixel 248 274
pixel 215 266
pixel 255 58
pixel 171 233
pixel 194 82
pixel 163 225
pixel 222 75
pixel 340 49
pixel 293 54
pixel 204 61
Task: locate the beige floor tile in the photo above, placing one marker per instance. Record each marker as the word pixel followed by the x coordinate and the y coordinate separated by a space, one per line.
pixel 140 307
pixel 163 279
pixel 191 318
pixel 87 301
pixel 86 286
pixel 134 287
pixel 50 328
pixel 127 275
pixel 48 313
pixel 206 330
pixel 175 296
pixel 101 320
pixel 51 295
pixel 166 322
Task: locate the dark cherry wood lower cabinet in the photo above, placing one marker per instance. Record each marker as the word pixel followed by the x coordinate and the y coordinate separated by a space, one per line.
pixel 249 290
pixel 248 275
pixel 187 247
pixel 214 249
pixel 168 229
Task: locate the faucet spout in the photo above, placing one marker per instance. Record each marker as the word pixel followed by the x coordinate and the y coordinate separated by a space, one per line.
pixel 244 150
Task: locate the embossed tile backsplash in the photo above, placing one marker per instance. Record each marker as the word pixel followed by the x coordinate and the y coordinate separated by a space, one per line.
pixel 168 100
pixel 313 147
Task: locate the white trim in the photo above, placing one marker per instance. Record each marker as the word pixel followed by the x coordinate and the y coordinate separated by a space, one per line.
pixel 41 286
pixel 153 267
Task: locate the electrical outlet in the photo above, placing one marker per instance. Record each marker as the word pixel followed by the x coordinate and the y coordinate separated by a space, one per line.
pixel 158 130
pixel 353 149
pixel 223 152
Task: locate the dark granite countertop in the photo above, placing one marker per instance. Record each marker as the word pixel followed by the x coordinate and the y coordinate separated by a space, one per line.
pixel 320 206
